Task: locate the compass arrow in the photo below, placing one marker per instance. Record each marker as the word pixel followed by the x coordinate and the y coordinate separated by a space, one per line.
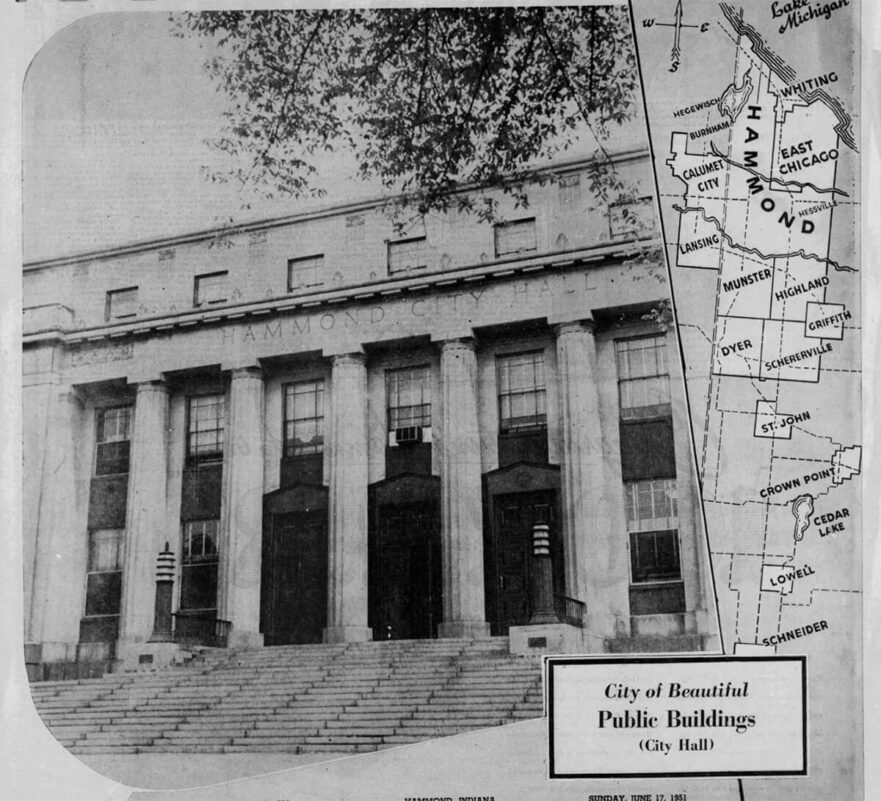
pixel 677 17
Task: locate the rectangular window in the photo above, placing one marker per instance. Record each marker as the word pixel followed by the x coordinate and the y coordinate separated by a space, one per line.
pixel 198 574
pixel 104 577
pixel 652 524
pixel 113 440
pixel 632 218
pixel 304 418
pixel 209 289
pixel 643 377
pixel 521 382
pixel 408 395
pixel 517 236
pixel 305 273
pixel 121 303
pixel 205 427
pixel 407 254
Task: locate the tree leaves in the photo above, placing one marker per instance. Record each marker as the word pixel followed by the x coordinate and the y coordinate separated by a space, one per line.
pixel 427 99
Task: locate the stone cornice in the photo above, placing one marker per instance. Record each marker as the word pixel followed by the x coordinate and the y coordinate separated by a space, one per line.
pixel 377 290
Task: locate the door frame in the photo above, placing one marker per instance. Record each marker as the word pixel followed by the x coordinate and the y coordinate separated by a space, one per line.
pixel 406 489
pixel 520 478
pixel 296 499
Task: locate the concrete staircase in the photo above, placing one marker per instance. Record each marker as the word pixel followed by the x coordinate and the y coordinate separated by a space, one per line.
pixel 297 699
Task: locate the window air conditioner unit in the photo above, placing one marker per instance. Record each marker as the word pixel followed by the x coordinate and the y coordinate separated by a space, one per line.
pixel 408 434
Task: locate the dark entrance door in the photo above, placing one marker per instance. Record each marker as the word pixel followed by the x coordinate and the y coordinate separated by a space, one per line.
pixel 509 603
pixel 296 576
pixel 405 573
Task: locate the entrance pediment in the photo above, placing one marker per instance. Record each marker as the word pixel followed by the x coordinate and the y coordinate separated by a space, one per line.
pixel 406 488
pixel 522 477
pixel 298 498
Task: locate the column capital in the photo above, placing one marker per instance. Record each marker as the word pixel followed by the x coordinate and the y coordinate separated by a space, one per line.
pixel 586 325
pixel 153 385
pixel 354 357
pixel 458 343
pixel 251 371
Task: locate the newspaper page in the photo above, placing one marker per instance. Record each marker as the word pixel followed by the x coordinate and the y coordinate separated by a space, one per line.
pixel 438 402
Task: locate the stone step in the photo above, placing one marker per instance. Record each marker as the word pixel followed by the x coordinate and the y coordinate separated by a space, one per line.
pixel 429 730
pixel 342 739
pixel 463 713
pixel 358 725
pixel 373 713
pixel 191 729
pixel 78 716
pixel 387 703
pixel 103 749
pixel 285 715
pixel 281 731
pixel 162 747
pixel 336 748
pixel 526 714
pixel 303 707
pixel 101 738
pixel 444 722
pixel 261 747
pixel 478 693
pixel 67 731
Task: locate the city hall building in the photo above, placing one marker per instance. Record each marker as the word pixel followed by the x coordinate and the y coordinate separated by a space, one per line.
pixel 335 432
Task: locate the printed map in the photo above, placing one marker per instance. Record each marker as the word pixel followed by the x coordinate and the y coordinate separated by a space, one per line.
pixel 751 113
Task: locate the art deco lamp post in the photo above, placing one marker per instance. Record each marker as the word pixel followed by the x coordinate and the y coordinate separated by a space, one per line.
pixel 162 620
pixel 542 577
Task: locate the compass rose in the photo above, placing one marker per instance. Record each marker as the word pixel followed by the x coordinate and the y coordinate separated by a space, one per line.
pixel 677 24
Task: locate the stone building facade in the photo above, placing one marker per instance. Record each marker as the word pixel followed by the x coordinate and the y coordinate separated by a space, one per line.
pixel 344 433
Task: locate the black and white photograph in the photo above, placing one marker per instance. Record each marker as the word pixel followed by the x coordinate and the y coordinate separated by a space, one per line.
pixel 399 415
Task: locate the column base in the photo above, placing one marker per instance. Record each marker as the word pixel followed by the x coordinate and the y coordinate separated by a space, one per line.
pixel 244 639
pixel 459 629
pixel 337 634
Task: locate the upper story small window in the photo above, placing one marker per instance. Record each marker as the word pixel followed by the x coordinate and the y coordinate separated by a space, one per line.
pixel 643 377
pixel 632 218
pixel 304 418
pixel 522 392
pixel 408 393
pixel 517 236
pixel 121 303
pixel 407 254
pixel 210 288
pixel 205 426
pixel 306 272
pixel 113 440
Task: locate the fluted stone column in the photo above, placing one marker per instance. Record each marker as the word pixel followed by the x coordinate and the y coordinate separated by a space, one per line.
pixel 60 563
pixel 242 509
pixel 145 518
pixel 347 558
pixel 461 502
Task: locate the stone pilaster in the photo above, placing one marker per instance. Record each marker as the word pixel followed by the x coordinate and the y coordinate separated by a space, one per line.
pixel 347 454
pixel 60 560
pixel 461 502
pixel 242 509
pixel 145 531
pixel 590 483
